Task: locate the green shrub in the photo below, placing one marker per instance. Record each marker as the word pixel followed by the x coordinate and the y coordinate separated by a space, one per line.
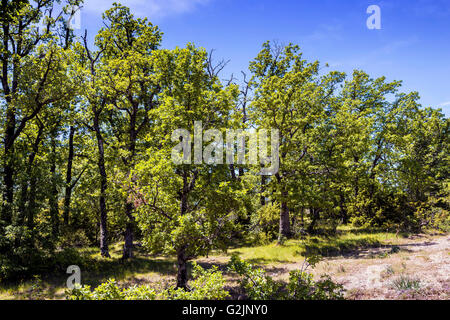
pixel 335 246
pixel 301 286
pixel 73 238
pixel 206 285
pixel 60 260
pixel 110 290
pixel 256 284
pixel 21 259
pixel 435 213
pixel 265 224
pixel 141 293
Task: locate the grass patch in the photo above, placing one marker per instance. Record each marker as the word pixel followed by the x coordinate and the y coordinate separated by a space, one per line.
pixel 338 245
pixel 387 272
pixel 346 240
pixel 405 282
pixel 274 252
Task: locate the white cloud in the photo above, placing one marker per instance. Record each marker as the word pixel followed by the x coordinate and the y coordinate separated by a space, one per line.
pixel 149 8
pixel 380 55
pixel 444 104
pixel 325 32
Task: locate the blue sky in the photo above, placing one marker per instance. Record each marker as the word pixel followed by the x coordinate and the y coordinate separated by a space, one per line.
pixel 413 44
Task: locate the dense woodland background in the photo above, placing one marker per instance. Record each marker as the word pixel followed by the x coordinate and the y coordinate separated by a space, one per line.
pixel 86 145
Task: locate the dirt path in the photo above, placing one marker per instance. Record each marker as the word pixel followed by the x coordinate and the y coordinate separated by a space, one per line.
pixel 423 261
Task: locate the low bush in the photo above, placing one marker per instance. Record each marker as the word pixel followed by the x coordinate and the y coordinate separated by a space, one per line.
pixel 257 285
pixel 254 281
pixel 206 285
pixel 265 224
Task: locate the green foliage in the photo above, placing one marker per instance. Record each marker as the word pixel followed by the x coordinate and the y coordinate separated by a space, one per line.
pixel 140 293
pixel 254 281
pixel 265 223
pixel 301 286
pixel 331 246
pixel 72 239
pixel 206 285
pixel 435 213
pixel 26 261
pixel 106 291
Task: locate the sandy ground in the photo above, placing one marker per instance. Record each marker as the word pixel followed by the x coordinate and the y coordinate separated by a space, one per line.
pixel 371 273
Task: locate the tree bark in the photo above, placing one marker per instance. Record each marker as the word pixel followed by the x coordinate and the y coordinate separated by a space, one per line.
pixel 343 209
pixel 128 246
pixel 262 198
pixel 315 218
pixel 285 225
pixel 182 269
pixel 104 250
pixel 31 209
pixel 28 177
pixel 181 252
pixel 10 124
pixel 233 172
pixel 53 198
pixel 129 206
pixel 68 192
pixel 8 179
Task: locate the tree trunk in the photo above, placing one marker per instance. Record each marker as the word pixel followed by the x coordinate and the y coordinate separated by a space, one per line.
pixel 285 226
pixel 53 198
pixel 316 216
pixel 28 177
pixel 343 209
pixel 129 206
pixel 23 200
pixel 302 217
pixel 68 192
pixel 182 269
pixel 128 246
pixel 32 202
pixel 8 168
pixel 8 194
pixel 181 252
pixel 262 198
pixel 104 250
pixel 233 172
